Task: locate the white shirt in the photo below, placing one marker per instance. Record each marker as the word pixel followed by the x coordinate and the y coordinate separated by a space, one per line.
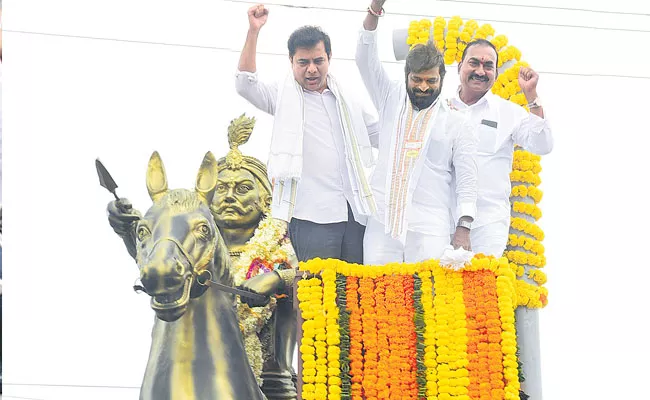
pixel 515 126
pixel 451 152
pixel 324 191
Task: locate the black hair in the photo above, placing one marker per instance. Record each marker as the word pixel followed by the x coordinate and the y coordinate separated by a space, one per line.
pixel 308 37
pixel 424 57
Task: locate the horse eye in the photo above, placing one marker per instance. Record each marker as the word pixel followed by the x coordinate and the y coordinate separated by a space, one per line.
pixel 204 229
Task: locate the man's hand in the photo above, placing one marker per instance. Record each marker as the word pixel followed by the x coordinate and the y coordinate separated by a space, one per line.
pixel 266 284
pixel 461 239
pixel 257 16
pixel 370 23
pixel 122 216
pixel 377 5
pixel 528 79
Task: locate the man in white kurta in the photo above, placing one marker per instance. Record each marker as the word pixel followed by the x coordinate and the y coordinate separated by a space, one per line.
pixel 422 145
pixel 500 125
pixel 320 148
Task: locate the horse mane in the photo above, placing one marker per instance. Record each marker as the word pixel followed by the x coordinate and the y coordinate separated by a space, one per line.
pixel 180 200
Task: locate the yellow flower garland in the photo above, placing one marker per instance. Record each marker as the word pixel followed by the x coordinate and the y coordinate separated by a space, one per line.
pixel 506 291
pixel 526 243
pixel 528 209
pixel 310 295
pixel 445 332
pixel 529 228
pixel 521 257
pixel 527 191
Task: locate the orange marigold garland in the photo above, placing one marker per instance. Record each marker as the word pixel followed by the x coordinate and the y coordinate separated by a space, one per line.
pixel 356 339
pixel 407 320
pixel 398 339
pixel 383 325
pixel 369 318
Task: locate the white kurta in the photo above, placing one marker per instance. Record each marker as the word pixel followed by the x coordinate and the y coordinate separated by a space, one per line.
pixel 514 126
pixel 324 189
pixel 447 151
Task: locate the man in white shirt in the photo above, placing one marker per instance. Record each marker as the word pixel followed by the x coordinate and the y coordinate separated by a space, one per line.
pixel 326 198
pixel 500 125
pixel 423 144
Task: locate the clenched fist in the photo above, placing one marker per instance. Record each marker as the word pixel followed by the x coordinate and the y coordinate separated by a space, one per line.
pixel 528 79
pixel 257 16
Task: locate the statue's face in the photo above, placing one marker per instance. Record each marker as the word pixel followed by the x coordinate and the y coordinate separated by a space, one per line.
pixel 237 200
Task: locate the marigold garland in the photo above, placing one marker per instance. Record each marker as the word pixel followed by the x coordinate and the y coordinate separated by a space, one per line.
pixel 344 329
pixel 527 243
pixel 528 209
pixel 333 335
pixel 356 341
pixel 527 191
pixel 369 326
pixel 310 297
pixel 529 228
pixel 525 177
pixel 420 328
pixel 521 257
pixel 383 325
pixel 398 338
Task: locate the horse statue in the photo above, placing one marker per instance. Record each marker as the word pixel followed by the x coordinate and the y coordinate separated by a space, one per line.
pixel 197 350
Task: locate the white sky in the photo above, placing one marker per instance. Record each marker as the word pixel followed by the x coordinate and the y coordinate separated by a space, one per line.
pixel 166 82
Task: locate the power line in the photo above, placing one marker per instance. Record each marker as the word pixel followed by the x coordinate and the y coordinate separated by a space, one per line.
pixel 71 386
pixel 268 53
pixel 450 16
pixel 549 7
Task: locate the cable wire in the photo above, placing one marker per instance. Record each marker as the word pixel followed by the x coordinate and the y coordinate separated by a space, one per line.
pixel 230 50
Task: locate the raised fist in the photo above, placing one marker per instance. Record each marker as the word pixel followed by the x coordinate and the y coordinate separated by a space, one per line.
pixel 528 80
pixel 257 16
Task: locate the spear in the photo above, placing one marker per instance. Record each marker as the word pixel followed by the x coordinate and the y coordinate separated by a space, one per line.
pixel 105 179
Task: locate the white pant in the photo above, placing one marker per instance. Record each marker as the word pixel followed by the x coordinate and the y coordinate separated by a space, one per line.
pixel 380 248
pixel 490 239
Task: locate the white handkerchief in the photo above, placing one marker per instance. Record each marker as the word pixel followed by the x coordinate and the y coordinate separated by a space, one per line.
pixel 455 259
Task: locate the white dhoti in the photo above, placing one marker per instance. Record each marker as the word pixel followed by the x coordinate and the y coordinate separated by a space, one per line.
pixel 380 248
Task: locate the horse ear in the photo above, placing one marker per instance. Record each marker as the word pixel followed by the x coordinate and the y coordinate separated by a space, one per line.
pixel 156 177
pixel 206 179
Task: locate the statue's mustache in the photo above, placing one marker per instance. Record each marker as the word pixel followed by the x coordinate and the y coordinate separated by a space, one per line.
pixel 236 207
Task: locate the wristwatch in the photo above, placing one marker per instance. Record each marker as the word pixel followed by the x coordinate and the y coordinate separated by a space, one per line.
pixel 464 224
pixel 535 103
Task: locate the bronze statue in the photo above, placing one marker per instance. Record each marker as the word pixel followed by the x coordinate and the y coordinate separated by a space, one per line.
pixel 197 349
pixel 257 245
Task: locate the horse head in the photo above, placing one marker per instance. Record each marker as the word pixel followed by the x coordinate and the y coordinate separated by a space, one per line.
pixel 178 240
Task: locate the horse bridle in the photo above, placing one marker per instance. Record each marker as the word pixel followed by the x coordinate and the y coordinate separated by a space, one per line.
pixel 201 274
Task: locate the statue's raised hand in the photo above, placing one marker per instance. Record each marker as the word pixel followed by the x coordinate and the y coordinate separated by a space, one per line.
pixel 122 216
pixel 257 16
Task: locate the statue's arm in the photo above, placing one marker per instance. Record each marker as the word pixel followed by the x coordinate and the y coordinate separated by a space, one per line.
pixel 124 219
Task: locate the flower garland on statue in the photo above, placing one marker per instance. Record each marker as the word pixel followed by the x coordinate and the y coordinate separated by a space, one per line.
pixel 266 251
pixel 381 332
